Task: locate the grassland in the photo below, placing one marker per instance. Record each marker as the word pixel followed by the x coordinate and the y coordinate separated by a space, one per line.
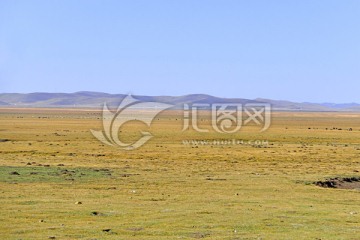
pixel 58 182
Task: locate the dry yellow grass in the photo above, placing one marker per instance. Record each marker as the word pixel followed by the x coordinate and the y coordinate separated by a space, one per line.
pixel 168 190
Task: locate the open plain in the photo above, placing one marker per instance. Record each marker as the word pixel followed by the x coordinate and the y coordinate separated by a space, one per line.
pixel 57 181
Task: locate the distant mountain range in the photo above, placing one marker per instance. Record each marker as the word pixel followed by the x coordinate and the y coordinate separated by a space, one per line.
pixel 97 99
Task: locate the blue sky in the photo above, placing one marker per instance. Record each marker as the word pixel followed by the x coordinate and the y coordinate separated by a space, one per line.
pixel 295 50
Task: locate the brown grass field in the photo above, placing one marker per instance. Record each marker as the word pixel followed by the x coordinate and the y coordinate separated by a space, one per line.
pixel 57 181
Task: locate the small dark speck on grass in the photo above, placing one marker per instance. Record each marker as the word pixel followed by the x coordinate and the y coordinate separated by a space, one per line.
pixel 200 235
pixel 106 230
pixel 215 179
pixel 95 213
pixel 14 173
pixel 4 140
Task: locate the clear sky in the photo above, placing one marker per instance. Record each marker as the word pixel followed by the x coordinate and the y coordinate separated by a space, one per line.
pixel 306 50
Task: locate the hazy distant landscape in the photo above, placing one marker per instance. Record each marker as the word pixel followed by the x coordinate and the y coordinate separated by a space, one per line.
pixel 97 99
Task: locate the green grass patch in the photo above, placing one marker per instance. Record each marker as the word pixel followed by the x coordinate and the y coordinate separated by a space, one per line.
pixel 50 174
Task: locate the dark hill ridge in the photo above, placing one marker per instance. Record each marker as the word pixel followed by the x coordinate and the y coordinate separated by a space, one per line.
pixel 97 99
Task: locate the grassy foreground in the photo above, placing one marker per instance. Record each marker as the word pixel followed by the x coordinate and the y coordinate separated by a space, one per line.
pixel 58 182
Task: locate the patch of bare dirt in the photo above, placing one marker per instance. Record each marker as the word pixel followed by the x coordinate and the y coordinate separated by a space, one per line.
pixel 340 182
